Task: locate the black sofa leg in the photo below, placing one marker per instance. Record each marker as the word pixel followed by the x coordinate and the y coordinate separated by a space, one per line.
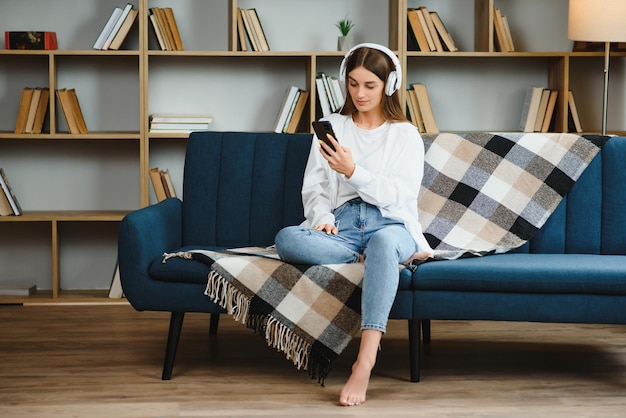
pixel 176 325
pixel 426 331
pixel 415 347
pixel 215 321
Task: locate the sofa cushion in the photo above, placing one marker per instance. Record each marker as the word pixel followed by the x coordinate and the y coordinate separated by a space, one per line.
pixel 526 273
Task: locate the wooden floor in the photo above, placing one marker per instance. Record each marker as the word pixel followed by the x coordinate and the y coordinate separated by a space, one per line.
pixel 105 361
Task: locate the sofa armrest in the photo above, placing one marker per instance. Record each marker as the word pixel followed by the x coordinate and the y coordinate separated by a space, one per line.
pixel 144 235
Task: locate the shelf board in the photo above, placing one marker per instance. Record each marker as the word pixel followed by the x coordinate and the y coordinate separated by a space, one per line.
pixel 69 52
pixel 68 215
pixel 89 136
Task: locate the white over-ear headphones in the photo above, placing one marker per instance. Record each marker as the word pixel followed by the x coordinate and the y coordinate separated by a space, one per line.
pixel 394 80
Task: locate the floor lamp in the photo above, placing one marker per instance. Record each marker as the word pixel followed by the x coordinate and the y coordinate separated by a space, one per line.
pixel 598 21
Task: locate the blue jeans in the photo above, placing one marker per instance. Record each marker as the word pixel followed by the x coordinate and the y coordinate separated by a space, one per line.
pixel 383 242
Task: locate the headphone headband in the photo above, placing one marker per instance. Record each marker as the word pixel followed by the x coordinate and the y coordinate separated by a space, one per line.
pixel 394 81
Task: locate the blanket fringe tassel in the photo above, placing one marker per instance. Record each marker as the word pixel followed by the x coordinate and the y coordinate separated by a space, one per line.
pixel 277 335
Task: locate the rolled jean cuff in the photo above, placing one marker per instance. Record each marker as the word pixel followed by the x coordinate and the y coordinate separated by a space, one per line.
pixel 374 327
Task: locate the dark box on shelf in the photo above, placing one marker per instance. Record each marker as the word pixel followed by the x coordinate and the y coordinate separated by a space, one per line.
pixel 30 40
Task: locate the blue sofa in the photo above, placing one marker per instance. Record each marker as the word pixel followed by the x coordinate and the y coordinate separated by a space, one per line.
pixel 241 188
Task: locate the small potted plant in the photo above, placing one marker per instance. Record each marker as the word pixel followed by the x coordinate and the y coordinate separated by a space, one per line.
pixel 345 41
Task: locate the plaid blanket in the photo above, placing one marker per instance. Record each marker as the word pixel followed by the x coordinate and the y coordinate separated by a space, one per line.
pixel 310 313
pixel 486 193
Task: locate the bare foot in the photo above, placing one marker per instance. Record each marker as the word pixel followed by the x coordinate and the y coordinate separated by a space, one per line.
pixel 353 392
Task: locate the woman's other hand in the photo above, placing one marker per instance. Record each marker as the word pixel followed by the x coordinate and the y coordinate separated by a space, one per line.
pixel 328 228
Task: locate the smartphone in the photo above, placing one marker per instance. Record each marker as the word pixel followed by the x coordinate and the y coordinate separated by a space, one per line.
pixel 322 128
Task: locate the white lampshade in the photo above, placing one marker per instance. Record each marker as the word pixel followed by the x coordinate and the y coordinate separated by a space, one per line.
pixel 597 20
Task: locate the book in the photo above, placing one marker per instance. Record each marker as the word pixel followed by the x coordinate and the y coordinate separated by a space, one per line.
pixel 22 113
pixel 77 112
pixel 17 289
pixel 426 110
pixel 42 110
pixel 541 112
pixel 108 26
pixel 32 110
pixel 547 119
pixel 416 31
pixel 416 114
pixel 178 126
pixel 156 118
pixel 8 192
pixel 426 30
pixel 67 108
pixel 5 205
pixel 322 96
pixel 30 40
pixel 445 36
pixel 118 24
pixel 157 184
pixel 507 34
pixel 241 32
pixel 115 290
pixel 574 120
pixel 530 109
pixel 296 117
pixel 168 185
pixel 289 101
pixel 122 33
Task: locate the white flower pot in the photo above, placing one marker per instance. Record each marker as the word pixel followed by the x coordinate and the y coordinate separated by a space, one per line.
pixel 344 43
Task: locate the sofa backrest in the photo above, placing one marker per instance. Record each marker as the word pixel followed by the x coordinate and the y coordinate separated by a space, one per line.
pixel 591 218
pixel 241 188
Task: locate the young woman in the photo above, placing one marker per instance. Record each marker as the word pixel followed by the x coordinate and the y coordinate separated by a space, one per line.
pixel 360 201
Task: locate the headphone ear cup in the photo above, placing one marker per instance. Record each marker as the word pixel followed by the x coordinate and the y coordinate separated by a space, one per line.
pixel 391 86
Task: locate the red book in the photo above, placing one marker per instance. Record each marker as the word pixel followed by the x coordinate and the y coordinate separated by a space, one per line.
pixel 30 40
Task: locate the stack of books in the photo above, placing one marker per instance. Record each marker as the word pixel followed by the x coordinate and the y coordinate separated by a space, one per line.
pixel 116 28
pixel 8 202
pixel 420 110
pixel 179 123
pixel 249 24
pixel 539 109
pixel 32 111
pixel 329 93
pixel 291 110
pixel 166 29
pixel 426 32
pixel 71 111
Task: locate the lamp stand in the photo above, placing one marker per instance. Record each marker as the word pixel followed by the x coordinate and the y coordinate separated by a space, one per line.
pixel 607 49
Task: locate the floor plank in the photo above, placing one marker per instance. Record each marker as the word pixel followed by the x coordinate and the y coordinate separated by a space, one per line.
pixel 105 361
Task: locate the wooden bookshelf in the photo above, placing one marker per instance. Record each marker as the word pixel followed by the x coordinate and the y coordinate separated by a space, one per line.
pixel 119 89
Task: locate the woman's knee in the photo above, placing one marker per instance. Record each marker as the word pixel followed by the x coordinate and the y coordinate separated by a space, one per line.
pixel 392 241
